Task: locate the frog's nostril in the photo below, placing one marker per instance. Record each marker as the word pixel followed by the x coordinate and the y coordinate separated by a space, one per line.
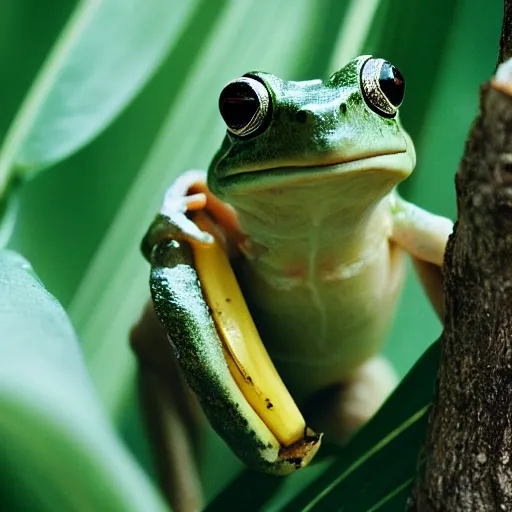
pixel 301 116
pixel 343 108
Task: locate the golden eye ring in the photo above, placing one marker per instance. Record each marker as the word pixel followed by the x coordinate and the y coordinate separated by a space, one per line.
pixel 382 86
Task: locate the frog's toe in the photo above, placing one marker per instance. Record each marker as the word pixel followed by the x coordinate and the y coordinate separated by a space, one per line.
pixel 344 408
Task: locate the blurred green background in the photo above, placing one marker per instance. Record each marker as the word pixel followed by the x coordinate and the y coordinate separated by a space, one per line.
pixel 80 222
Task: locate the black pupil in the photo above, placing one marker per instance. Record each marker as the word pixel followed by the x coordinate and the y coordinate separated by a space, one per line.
pixel 238 103
pixel 392 84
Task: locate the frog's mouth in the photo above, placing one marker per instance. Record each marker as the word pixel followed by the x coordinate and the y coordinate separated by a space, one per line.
pixel 394 167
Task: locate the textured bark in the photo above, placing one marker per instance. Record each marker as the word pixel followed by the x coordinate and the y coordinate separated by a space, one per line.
pixel 467 462
pixel 506 34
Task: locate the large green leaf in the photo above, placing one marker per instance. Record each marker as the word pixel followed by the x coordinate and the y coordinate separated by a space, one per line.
pixel 106 53
pixel 56 445
pixel 375 469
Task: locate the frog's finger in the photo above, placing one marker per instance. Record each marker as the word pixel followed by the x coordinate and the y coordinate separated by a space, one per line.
pixel 180 227
pixel 185 182
pixel 195 202
pixel 175 221
pixel 223 213
pixel 178 200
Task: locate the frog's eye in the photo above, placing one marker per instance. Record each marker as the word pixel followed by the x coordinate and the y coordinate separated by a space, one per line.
pixel 244 105
pixel 383 87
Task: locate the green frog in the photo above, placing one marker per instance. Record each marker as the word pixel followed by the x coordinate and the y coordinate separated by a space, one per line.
pixel 302 198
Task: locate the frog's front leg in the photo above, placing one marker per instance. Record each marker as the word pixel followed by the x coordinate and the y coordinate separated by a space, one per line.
pixel 200 305
pixel 343 408
pixel 424 236
pixel 170 409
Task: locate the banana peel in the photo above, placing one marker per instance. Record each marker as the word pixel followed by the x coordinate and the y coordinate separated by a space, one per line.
pixel 199 302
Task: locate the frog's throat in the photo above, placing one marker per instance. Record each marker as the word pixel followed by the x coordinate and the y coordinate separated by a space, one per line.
pixel 394 166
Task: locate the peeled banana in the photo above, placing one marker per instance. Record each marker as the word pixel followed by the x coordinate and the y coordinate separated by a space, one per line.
pixel 198 299
pixel 247 357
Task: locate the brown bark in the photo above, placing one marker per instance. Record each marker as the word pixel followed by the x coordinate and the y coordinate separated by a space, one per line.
pixel 467 462
pixel 506 34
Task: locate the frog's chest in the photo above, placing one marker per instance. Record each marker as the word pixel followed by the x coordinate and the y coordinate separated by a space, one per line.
pixel 319 275
pixel 321 319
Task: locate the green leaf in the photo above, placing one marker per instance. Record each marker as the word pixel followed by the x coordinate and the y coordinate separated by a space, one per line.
pixel 105 55
pixel 354 32
pixel 375 469
pixel 56 443
pixel 9 206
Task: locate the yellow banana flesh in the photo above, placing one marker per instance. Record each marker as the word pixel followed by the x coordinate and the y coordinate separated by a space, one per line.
pixel 246 356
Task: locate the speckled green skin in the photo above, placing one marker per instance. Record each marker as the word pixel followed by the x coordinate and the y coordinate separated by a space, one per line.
pixel 180 305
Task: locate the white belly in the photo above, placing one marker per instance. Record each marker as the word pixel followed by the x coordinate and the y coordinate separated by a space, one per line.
pixel 320 324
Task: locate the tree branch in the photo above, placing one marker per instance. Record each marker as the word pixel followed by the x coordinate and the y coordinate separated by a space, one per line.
pixel 468 465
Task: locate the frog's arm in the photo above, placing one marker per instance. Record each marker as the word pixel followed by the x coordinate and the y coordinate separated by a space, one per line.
pixel 423 235
pixel 198 302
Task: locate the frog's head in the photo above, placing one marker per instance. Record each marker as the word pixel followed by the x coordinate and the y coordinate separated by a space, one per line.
pixel 282 133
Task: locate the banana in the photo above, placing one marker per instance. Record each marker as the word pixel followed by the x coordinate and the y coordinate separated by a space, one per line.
pixel 201 307
pixel 247 358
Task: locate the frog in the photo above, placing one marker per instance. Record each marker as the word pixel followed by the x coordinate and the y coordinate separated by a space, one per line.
pixel 303 198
